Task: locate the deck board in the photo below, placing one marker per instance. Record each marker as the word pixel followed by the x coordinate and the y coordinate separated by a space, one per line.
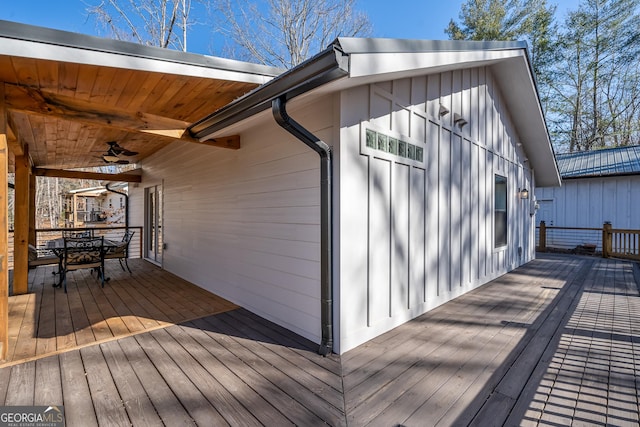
pixel 77 399
pixel 136 402
pixel 165 402
pixel 556 342
pixel 47 321
pixel 229 370
pixel 168 366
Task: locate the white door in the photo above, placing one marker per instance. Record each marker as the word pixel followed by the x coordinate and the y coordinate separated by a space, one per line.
pixel 153 224
pixel 545 212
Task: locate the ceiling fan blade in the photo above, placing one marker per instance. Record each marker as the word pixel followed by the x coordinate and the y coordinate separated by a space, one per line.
pixel 115 150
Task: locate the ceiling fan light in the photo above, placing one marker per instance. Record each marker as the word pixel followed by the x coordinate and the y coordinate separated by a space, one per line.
pixel 110 158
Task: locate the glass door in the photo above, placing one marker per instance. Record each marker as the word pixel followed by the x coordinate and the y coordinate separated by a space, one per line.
pixel 153 224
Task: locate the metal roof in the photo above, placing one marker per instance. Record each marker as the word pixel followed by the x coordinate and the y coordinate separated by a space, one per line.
pixel 606 162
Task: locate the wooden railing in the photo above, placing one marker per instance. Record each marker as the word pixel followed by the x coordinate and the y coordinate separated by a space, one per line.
pixel 43 235
pixel 609 242
pixel 620 243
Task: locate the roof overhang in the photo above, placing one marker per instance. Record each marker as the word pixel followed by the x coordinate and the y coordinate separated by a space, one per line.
pixel 67 95
pixel 351 62
pixel 33 42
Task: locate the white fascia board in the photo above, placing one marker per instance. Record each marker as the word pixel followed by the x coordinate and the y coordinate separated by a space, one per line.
pixel 381 64
pixel 519 91
pixel 51 52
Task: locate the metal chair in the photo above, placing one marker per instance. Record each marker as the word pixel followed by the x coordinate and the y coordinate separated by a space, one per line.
pixel 121 251
pixel 41 256
pixel 83 253
pixel 77 234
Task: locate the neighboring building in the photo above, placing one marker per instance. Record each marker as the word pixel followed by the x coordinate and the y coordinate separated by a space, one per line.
pixel 597 186
pixel 432 143
pixel 96 206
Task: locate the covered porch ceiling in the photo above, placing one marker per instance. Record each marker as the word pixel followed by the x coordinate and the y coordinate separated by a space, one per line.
pixel 66 95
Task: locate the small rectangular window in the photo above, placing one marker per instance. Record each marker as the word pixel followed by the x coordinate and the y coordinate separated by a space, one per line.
pixel 500 211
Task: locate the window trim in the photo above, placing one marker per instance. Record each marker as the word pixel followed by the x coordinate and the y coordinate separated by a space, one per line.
pixel 499 180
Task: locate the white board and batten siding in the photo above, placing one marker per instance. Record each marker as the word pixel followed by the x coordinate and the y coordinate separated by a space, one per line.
pixel 589 202
pixel 416 234
pixel 245 224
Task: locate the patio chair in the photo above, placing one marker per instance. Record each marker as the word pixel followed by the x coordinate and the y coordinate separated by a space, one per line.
pixel 39 257
pixel 121 251
pixel 77 234
pixel 83 253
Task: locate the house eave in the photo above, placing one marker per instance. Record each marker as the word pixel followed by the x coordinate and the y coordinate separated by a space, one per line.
pixel 328 66
pixel 365 61
pixel 22 40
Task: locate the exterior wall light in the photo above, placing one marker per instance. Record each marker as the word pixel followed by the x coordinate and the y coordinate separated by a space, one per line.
pixel 443 111
pixel 523 193
pixel 459 120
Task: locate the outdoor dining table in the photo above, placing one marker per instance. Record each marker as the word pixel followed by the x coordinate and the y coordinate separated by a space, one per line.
pixel 57 247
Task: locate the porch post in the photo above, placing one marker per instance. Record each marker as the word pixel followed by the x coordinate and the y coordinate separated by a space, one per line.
pixel 542 237
pixel 21 224
pixel 32 210
pixel 606 240
pixel 4 231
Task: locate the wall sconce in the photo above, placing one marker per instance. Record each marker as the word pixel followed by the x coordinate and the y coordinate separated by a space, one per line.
pixel 523 193
pixel 459 120
pixel 443 111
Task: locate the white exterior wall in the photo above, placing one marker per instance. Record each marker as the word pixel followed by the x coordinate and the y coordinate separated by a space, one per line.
pixel 589 202
pixel 413 236
pixel 245 224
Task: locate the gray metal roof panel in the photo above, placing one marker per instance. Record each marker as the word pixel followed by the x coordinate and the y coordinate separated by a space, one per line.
pixel 606 162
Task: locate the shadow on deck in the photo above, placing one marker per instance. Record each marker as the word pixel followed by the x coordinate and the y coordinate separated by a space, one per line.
pixel 555 342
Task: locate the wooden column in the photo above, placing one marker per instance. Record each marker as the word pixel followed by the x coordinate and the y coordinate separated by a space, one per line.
pixel 4 231
pixel 21 225
pixel 32 210
pixel 542 240
pixel 606 240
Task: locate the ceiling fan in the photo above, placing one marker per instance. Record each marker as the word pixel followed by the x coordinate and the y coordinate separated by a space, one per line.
pixel 115 151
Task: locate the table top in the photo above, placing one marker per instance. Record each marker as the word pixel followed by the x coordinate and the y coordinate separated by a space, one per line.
pixel 59 243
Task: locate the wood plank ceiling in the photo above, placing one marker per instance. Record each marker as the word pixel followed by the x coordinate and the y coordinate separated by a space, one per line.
pixel 67 112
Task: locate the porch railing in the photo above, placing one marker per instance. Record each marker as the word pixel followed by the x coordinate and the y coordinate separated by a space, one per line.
pixel 43 235
pixel 621 243
pixel 605 241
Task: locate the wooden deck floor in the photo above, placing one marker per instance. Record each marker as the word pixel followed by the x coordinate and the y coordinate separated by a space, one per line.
pixel 47 321
pixel 556 342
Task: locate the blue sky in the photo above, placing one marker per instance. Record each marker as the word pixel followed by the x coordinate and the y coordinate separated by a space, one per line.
pixel 412 19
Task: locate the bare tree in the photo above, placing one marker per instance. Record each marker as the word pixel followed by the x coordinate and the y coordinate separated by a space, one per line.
pixel 284 33
pixel 162 23
pixel 596 98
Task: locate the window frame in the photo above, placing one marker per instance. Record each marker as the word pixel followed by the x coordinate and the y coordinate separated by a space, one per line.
pixel 500 211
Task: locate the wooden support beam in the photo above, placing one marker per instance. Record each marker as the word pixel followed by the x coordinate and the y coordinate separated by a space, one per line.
pixel 61 173
pixel 34 101
pixel 21 225
pixel 4 231
pixel 15 145
pixel 32 210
